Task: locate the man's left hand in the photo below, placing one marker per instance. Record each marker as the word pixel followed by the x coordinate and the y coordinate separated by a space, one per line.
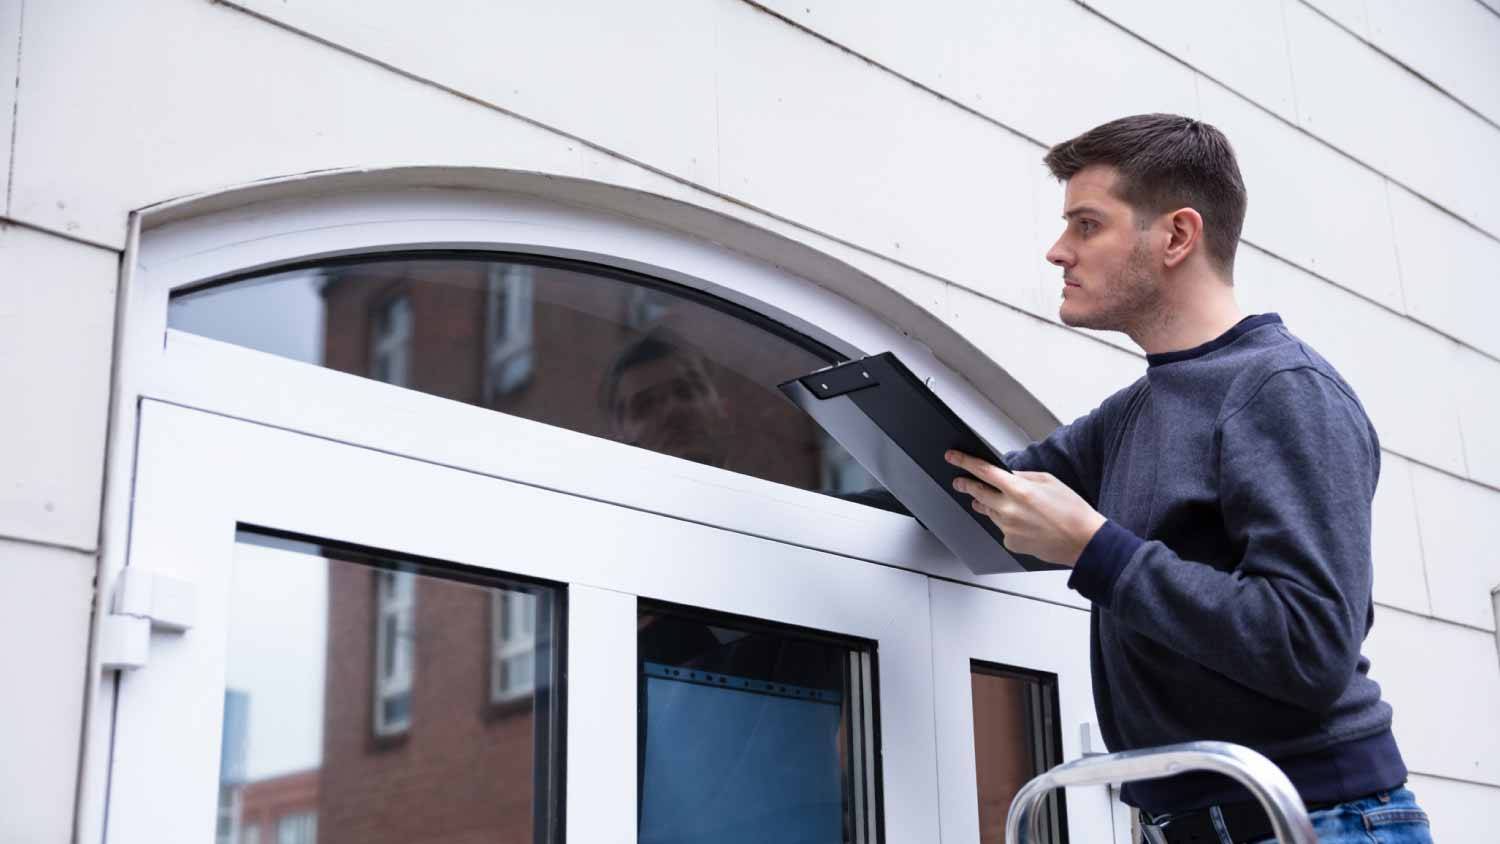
pixel 1039 514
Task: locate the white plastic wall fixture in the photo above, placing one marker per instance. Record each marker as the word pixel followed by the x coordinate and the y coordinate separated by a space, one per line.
pixel 144 602
pixel 166 602
pixel 124 642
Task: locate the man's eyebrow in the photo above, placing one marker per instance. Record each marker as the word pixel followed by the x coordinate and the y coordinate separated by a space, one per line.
pixel 1082 209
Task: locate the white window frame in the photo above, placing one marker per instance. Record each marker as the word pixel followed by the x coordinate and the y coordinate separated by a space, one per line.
pixel 199 372
pixel 181 245
pixel 203 475
pixel 395 610
pixel 512 642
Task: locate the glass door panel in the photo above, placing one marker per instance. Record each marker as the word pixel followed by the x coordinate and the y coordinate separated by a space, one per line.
pixel 377 653
pixel 360 700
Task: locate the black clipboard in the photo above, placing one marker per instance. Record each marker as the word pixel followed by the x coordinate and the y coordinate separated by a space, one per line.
pixel 896 428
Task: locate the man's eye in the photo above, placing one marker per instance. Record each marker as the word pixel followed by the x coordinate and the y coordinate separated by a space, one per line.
pixel 1087 226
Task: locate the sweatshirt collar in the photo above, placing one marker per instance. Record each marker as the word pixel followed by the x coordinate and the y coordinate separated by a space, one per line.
pixel 1240 329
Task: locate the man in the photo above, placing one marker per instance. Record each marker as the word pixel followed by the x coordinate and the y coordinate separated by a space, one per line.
pixel 1216 512
pixel 658 395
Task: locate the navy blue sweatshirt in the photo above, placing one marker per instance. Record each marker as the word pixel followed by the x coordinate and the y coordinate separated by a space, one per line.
pixel 1231 586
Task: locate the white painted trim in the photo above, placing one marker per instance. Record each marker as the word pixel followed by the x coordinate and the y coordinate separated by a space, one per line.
pixel 602 740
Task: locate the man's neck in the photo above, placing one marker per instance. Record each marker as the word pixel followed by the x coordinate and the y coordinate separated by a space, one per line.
pixel 1183 325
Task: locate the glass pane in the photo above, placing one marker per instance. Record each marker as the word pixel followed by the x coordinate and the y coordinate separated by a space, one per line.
pixel 326 741
pixel 750 734
pixel 1016 737
pixel 587 348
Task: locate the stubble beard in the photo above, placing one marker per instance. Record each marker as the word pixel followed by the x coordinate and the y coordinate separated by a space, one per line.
pixel 1127 302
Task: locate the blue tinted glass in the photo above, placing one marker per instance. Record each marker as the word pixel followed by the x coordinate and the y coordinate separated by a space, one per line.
pixel 729 764
pixel 747 736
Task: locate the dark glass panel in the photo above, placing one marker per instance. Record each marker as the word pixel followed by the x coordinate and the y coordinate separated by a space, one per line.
pixel 1016 737
pixel 587 348
pixel 752 734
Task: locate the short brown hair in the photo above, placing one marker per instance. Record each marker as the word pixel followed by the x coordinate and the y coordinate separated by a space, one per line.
pixel 1166 162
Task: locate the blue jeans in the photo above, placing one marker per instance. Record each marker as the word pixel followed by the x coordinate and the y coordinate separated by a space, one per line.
pixel 1391 817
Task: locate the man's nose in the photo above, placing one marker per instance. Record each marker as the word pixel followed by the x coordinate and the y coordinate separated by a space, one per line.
pixel 1059 255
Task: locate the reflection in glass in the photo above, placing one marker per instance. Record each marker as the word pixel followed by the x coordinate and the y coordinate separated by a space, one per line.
pixel 372 699
pixel 750 734
pixel 1016 737
pixel 588 348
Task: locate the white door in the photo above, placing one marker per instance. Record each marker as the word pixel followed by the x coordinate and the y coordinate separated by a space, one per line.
pixel 1013 698
pixel 338 586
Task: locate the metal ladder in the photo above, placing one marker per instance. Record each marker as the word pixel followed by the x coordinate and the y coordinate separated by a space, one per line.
pixel 1270 786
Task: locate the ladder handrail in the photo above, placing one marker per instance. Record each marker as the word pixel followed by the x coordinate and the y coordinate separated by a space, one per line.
pixel 1270 786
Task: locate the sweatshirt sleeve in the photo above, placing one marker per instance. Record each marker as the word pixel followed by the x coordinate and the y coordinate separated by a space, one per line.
pixel 1074 452
pixel 1298 464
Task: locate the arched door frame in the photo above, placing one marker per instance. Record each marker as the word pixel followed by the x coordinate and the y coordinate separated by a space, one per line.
pixel 190 241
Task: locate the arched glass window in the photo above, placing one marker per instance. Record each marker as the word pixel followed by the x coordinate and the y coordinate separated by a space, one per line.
pixel 593 349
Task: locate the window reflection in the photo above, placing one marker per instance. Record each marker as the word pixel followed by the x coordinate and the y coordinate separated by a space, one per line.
pixel 751 734
pixel 592 349
pixel 1016 737
pixel 381 700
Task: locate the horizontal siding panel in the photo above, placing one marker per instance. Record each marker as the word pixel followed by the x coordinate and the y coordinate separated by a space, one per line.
pixel 1450 272
pixel 867 158
pixel 1380 113
pixel 1460 812
pixel 1352 14
pixel 1401 371
pixel 10 60
pixel 1242 45
pixel 1443 682
pixel 1033 65
pixel 57 310
pixel 1454 43
pixel 1457 520
pixel 1308 204
pixel 188 96
pixel 1396 541
pixel 638 76
pixel 46 601
pixel 1477 380
pixel 1070 373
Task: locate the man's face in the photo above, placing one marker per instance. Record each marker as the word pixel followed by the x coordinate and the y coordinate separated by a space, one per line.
pixel 671 407
pixel 1110 278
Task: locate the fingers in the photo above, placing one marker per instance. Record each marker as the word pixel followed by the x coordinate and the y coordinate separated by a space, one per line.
pixel 988 496
pixel 985 471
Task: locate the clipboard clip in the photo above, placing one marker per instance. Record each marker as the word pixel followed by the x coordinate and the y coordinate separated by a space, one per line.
pixel 839 380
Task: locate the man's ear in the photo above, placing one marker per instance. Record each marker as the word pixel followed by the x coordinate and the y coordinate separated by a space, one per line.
pixel 1185 230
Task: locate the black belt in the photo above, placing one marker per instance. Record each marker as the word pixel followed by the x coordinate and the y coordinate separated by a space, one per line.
pixel 1244 822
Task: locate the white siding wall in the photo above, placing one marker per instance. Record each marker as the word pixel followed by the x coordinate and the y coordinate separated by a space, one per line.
pixel 45 599
pixel 902 138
